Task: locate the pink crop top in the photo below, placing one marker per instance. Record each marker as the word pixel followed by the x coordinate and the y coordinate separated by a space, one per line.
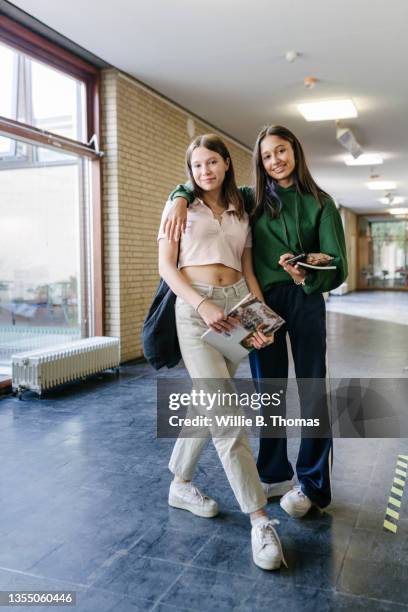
pixel 206 241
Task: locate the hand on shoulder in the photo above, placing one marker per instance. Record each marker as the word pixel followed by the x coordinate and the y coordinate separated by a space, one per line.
pixel 176 220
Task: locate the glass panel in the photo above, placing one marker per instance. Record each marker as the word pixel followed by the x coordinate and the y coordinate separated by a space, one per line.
pixel 57 102
pixel 8 93
pixel 43 261
pixel 39 95
pixel 384 253
pixel 8 82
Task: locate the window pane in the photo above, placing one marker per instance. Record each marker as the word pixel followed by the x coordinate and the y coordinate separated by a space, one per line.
pixel 36 94
pixel 57 102
pixel 383 254
pixel 7 148
pixel 8 82
pixel 43 260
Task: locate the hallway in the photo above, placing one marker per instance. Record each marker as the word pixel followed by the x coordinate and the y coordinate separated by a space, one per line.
pixel 84 483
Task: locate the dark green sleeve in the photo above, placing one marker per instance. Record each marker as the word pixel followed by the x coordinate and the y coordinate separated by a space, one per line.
pixel 186 191
pixel 332 242
pixel 249 198
pixel 183 191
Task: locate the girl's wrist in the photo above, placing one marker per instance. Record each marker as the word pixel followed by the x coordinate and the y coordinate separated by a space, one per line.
pixel 199 303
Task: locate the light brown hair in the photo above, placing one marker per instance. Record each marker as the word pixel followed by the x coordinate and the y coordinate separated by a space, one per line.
pixel 230 191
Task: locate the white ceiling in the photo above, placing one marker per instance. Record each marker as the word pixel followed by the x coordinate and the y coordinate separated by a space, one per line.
pixel 224 60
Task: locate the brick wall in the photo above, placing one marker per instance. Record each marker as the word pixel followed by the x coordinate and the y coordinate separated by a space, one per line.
pixel 144 138
pixel 350 232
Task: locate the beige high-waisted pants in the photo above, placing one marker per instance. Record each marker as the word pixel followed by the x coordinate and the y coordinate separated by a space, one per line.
pixel 205 362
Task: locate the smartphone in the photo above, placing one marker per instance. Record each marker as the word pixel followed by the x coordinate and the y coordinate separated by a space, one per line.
pixel 295 259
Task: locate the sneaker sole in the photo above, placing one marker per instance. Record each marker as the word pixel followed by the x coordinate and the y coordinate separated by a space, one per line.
pixel 293 514
pixel 272 565
pixel 281 489
pixel 190 508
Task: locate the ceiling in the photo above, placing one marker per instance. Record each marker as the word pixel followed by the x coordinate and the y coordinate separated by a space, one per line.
pixel 224 60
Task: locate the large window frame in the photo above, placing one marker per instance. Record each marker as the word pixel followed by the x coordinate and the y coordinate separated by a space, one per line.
pixel 39 48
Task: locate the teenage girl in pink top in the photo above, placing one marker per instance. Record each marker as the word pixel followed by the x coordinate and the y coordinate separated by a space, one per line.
pixel 214 273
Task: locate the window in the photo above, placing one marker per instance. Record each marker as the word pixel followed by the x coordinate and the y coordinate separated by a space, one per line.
pixel 50 260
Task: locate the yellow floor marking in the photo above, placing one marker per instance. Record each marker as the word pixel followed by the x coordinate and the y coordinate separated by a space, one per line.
pixel 397 491
pixel 392 513
pixel 390 526
pixel 394 502
pixel 400 476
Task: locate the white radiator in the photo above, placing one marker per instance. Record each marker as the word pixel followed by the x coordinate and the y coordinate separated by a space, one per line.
pixel 45 368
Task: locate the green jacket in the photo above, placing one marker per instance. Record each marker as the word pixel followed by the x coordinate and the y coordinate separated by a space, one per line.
pixel 302 226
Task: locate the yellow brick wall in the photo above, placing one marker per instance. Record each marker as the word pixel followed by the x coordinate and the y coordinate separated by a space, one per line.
pixel 350 232
pixel 144 138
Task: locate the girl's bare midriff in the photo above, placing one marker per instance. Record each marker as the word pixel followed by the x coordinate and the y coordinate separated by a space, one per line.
pixel 217 275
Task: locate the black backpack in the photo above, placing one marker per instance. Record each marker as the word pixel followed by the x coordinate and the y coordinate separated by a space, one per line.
pixel 159 335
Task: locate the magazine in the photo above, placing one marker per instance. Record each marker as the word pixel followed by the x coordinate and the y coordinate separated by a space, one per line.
pixel 251 315
pixel 312 261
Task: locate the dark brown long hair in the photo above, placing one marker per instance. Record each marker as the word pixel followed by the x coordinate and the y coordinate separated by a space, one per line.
pixel 230 192
pixel 266 197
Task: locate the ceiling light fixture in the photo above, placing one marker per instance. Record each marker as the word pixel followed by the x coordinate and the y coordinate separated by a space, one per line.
pixel 366 159
pixel 381 185
pixel 398 211
pixel 391 201
pixel 326 110
pixel 291 56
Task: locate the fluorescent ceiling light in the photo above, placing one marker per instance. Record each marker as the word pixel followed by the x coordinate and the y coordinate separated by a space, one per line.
pixel 327 109
pixel 392 200
pixel 398 211
pixel 366 159
pixel 381 185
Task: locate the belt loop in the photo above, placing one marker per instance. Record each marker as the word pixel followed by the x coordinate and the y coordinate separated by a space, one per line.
pixel 236 287
pixel 226 307
pixel 210 291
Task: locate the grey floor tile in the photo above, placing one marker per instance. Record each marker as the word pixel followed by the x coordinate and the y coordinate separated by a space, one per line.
pixel 135 576
pixel 233 557
pixel 275 595
pixel 377 580
pixel 170 544
pixel 203 590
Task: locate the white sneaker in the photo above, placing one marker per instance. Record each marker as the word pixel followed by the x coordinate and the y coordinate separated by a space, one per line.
pixel 266 547
pixel 277 489
pixel 187 496
pixel 296 503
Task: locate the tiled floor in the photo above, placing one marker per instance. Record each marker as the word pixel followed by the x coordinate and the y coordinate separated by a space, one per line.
pixel 378 305
pixel 83 504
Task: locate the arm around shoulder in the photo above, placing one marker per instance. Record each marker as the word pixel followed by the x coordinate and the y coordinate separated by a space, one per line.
pixel 183 191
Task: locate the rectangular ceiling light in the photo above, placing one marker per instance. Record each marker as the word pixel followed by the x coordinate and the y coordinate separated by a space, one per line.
pixel 327 109
pixel 381 185
pixel 392 200
pixel 398 211
pixel 366 159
